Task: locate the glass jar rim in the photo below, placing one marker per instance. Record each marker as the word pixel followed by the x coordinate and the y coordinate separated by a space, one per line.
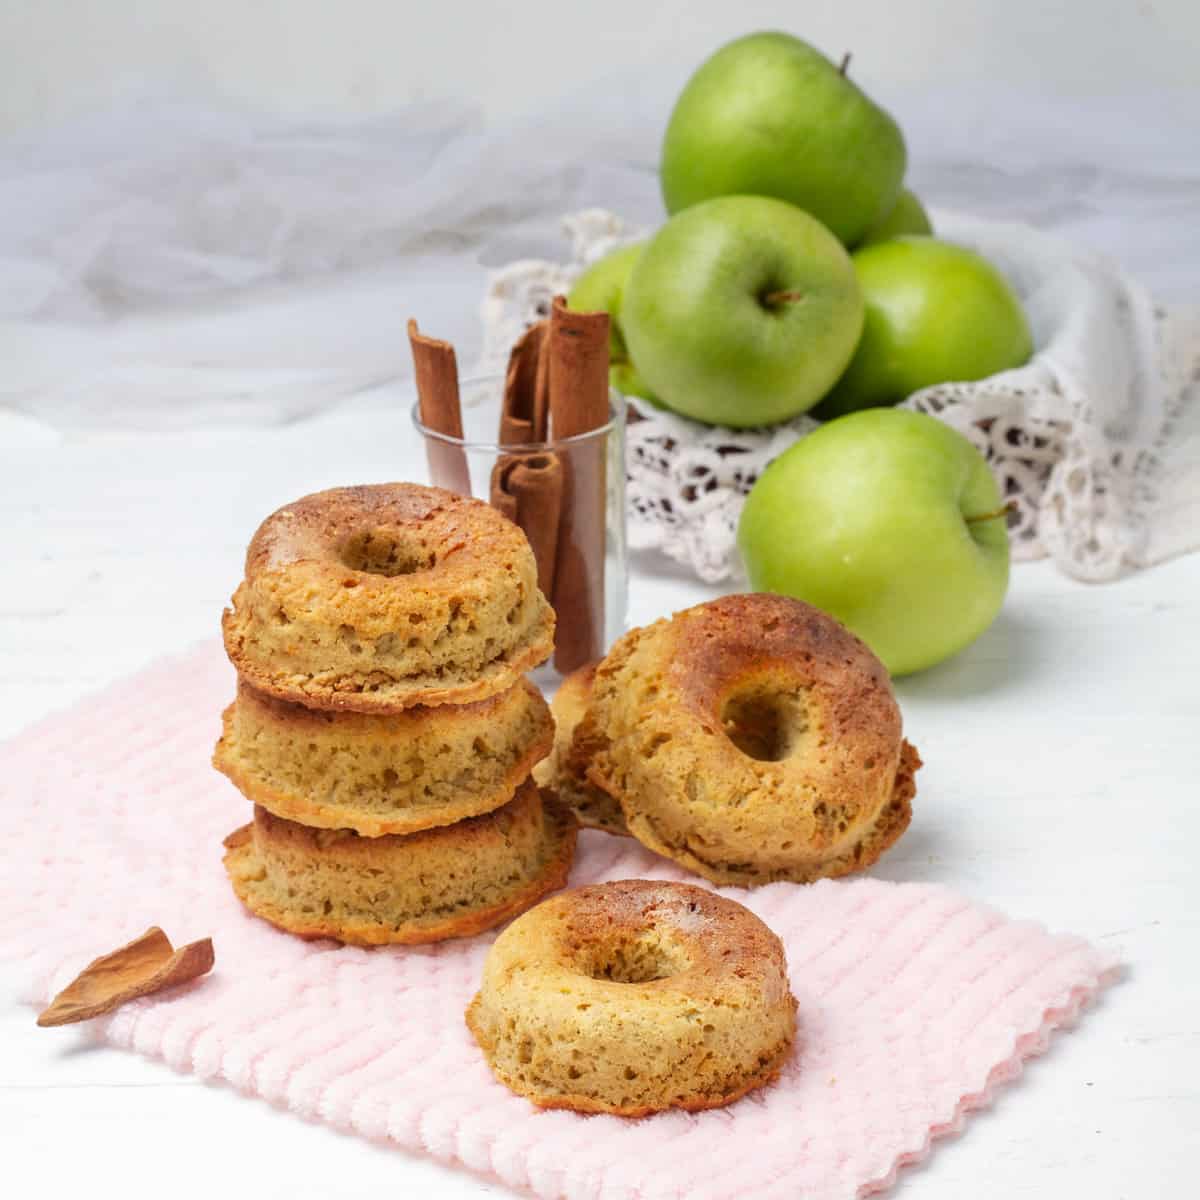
pixel 616 405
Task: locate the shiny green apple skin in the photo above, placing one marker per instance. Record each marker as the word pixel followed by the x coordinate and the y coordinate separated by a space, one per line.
pixel 601 289
pixel 936 313
pixel 867 519
pixel 741 311
pixel 908 215
pixel 770 115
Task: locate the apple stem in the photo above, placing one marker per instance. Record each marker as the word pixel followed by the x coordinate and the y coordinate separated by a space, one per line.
pixel 773 298
pixel 845 63
pixel 1003 511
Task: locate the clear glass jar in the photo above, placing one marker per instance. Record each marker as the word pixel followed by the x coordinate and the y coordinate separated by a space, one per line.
pixel 569 497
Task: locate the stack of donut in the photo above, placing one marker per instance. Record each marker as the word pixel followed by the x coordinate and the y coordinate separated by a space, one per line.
pixel 382 727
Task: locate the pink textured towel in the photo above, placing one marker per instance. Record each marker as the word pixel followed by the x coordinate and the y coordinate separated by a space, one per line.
pixel 914 1002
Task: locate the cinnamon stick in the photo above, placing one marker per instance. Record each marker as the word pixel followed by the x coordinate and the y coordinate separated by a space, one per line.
pixel 438 402
pixel 147 964
pixel 524 414
pixel 527 488
pixel 578 378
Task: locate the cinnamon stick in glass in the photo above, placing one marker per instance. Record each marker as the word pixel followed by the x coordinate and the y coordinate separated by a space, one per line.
pixel 525 412
pixel 527 487
pixel 578 379
pixel 438 402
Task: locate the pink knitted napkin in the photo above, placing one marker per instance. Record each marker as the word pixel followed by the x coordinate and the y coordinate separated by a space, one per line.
pixel 914 1001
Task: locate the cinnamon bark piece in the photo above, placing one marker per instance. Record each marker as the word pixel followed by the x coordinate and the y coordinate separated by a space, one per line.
pixel 524 414
pixel 146 965
pixel 578 371
pixel 438 402
pixel 527 489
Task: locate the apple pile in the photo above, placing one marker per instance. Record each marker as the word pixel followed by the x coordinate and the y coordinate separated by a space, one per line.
pixel 796 273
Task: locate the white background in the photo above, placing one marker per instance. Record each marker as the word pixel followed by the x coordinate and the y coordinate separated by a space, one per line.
pixel 363 56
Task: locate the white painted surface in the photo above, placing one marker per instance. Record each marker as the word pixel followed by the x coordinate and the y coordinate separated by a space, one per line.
pixel 366 56
pixel 1062 759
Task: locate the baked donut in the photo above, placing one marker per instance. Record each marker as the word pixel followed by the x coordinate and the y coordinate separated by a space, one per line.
pixel 377 598
pixel 633 997
pixel 383 773
pixel 442 883
pixel 751 739
pixel 593 807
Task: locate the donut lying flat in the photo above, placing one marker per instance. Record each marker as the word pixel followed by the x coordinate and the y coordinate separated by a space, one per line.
pixel 383 773
pixel 449 882
pixel 593 807
pixel 751 739
pixel 634 997
pixel 378 598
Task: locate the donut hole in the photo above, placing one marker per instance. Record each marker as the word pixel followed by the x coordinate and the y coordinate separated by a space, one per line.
pixel 764 722
pixel 630 957
pixel 384 552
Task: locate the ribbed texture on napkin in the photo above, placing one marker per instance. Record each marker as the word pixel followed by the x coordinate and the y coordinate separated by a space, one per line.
pixel 914 1002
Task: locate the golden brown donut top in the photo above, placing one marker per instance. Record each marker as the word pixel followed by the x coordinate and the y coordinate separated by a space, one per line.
pixel 384 535
pixel 698 941
pixel 765 642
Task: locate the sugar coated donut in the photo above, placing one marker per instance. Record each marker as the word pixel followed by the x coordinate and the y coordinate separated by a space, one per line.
pixel 377 598
pixel 634 997
pixel 443 883
pixel 751 739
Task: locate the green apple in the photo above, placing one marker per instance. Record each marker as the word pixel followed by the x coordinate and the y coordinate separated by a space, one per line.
pixel 891 522
pixel 908 215
pixel 936 313
pixel 601 289
pixel 741 311
pixel 769 115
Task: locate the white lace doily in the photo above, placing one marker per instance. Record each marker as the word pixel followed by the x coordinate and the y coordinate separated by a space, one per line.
pixel 1096 441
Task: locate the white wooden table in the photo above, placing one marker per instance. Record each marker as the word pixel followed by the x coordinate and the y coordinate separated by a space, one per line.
pixel 1062 784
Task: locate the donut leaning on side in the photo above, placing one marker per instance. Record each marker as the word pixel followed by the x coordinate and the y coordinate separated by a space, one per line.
pixel 751 739
pixel 634 997
pixel 377 598
pixel 593 807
